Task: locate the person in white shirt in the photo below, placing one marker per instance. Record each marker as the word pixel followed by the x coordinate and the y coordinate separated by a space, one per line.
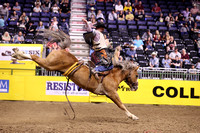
pixel 37 8
pixel 198 17
pixel 119 7
pixel 100 15
pixel 55 8
pixel 186 13
pixel 112 15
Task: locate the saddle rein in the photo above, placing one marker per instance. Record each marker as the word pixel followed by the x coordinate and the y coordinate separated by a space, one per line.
pixel 75 67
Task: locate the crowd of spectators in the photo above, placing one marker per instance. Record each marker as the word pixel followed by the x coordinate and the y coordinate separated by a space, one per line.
pixel 176 48
pixel 21 21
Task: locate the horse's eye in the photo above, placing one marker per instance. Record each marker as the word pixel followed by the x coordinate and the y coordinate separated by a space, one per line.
pixel 136 76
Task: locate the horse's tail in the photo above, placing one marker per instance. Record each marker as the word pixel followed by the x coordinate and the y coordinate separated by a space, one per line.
pixel 59 36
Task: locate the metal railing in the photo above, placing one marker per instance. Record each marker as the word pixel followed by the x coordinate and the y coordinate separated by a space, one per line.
pixel 144 73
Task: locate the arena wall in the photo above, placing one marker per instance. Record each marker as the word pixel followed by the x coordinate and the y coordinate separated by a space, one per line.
pixel 51 88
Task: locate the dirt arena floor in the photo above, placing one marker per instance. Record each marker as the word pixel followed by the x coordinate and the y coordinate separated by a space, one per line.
pixel 48 117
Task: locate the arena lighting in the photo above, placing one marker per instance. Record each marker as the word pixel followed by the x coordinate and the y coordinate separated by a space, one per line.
pixel 175 92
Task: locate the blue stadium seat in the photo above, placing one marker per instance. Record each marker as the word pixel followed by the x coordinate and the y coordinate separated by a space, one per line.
pixel 131 22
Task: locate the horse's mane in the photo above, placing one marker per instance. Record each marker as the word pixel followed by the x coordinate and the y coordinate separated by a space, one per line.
pixel 59 36
pixel 125 65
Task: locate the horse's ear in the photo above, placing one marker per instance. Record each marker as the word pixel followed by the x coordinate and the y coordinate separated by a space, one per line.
pixel 137 68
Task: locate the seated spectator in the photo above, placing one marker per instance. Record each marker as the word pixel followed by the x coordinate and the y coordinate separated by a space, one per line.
pixel 190 23
pixel 198 64
pixel 4 12
pixel 148 44
pixel 139 8
pixel 6 37
pixel 138 42
pixel 157 37
pixel 171 22
pixel 48 3
pixel 119 7
pixel 129 16
pixel 37 8
pixel 161 18
pixel 64 26
pixel 127 2
pixel 23 16
pixel 64 1
pixel 156 8
pixel 197 17
pixel 18 38
pixel 166 37
pixel 186 13
pixel 17 8
pixel 184 29
pixel 171 44
pixel 14 16
pixel 44 8
pixel 194 10
pixel 176 63
pixel 22 24
pixel 198 43
pixel 127 8
pixel 65 8
pixel 54 24
pixel 112 15
pixel 121 16
pixel 136 3
pixel 8 6
pixel 91 3
pixel 193 73
pixel 184 58
pixel 131 53
pixel 167 18
pixel 93 21
pixel 190 16
pixel 37 2
pixel 166 62
pixel 2 22
pixel 175 53
pixel 195 29
pixel 55 8
pixel 40 26
pixel 146 35
pixel 30 28
pixel 100 15
pixel 154 61
pixel 91 12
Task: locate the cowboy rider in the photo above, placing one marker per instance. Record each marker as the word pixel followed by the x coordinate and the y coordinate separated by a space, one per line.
pixel 99 45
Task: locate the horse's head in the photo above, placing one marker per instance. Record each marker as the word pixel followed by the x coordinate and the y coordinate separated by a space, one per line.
pixel 132 79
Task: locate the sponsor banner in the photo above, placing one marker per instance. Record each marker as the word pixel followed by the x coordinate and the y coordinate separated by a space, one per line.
pixel 4 86
pixel 172 92
pixel 6 50
pixel 59 87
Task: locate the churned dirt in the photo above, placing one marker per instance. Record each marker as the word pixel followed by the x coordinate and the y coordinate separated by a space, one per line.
pixel 48 117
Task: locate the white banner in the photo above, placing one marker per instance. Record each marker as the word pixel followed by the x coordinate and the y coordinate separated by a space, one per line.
pixel 6 51
pixel 58 88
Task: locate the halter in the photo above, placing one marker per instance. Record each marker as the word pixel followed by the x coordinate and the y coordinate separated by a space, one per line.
pixel 133 84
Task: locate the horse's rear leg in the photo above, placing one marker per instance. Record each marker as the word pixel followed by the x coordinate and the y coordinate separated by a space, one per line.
pixel 115 98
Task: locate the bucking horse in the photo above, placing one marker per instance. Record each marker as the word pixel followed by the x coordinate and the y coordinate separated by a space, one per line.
pixel 66 63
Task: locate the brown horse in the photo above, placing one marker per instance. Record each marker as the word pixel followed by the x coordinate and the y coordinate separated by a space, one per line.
pixel 61 60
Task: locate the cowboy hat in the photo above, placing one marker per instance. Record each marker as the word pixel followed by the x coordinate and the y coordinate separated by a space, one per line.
pixel 154 53
pixel 132 46
pixel 92 8
pixel 100 24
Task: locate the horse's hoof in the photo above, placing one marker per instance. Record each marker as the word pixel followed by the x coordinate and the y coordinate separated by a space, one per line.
pixel 134 118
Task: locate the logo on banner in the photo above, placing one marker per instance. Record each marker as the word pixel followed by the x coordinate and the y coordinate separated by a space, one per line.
pixel 58 88
pixel 4 86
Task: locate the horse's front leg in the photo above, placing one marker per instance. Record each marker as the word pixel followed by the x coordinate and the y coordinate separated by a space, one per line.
pixel 115 98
